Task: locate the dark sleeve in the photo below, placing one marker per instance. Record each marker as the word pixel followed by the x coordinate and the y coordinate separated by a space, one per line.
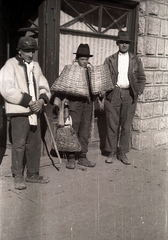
pixel 44 97
pixel 25 100
pixel 54 95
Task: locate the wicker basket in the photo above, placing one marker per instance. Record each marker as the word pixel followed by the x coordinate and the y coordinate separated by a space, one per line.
pixel 100 79
pixel 72 81
pixel 66 140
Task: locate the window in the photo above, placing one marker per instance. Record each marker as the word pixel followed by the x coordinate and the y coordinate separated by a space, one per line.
pixel 95 19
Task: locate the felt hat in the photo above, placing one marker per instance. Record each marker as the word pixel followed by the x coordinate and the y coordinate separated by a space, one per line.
pixel 27 43
pixel 83 51
pixel 123 36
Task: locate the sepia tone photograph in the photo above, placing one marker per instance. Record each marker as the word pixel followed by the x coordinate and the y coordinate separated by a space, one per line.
pixel 84 120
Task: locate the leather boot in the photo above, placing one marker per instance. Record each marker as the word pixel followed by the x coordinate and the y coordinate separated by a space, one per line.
pixel 83 160
pixel 19 182
pixel 71 163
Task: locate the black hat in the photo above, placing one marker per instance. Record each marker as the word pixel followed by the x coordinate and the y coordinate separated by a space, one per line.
pixel 27 43
pixel 83 51
pixel 123 36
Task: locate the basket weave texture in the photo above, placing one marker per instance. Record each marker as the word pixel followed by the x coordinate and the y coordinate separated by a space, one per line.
pixel 100 79
pixel 67 140
pixel 72 81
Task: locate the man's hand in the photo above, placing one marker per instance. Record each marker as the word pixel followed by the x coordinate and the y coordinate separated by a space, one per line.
pixel 36 106
pixel 31 103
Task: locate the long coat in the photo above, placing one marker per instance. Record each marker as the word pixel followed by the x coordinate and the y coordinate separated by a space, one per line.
pixel 136 75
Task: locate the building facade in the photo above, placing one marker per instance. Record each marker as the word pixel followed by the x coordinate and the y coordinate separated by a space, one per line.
pixel 150 125
pixel 61 25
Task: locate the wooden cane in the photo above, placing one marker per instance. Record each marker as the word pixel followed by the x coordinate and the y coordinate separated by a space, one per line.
pixel 52 136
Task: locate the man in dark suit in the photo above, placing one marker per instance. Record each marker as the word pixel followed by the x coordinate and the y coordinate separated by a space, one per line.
pixel 129 80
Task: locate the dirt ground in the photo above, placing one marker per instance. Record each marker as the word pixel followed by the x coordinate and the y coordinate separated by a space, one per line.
pixel 108 202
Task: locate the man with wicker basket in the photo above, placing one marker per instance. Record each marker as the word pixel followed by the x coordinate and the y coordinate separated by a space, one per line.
pixel 73 89
pixel 129 80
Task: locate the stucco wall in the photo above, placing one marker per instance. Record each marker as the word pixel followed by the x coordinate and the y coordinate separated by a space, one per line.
pixel 150 125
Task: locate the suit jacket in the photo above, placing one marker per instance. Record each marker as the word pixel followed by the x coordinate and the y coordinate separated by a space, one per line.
pixel 136 75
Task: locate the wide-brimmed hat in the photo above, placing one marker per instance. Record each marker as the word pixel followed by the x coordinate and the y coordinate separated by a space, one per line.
pixel 83 51
pixel 27 43
pixel 123 36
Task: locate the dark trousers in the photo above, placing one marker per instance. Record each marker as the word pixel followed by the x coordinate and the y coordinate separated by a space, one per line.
pixel 119 115
pixel 81 113
pixel 26 145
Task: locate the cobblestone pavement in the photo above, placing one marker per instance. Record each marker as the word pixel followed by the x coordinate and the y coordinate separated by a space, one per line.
pixel 108 202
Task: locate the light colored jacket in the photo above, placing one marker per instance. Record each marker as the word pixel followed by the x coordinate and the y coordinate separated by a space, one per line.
pixel 14 86
pixel 1 72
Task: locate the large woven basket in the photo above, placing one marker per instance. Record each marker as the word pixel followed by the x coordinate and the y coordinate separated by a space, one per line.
pixel 100 79
pixel 72 81
pixel 66 140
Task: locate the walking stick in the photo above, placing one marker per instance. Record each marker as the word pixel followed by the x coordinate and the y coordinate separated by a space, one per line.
pixel 52 136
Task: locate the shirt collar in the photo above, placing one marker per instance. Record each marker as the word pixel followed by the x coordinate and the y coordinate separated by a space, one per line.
pixel 123 54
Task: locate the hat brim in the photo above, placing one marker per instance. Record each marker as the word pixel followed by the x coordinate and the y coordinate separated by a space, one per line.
pixel 83 55
pixel 33 49
pixel 123 40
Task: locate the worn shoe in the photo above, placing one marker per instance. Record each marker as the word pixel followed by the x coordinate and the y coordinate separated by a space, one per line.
pixel 35 178
pixel 85 162
pixel 20 183
pixel 123 158
pixel 111 158
pixel 70 164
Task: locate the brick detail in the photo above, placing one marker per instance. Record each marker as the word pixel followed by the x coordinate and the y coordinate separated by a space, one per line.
pixel 146 110
pixel 141 141
pixel 140 47
pixel 158 78
pixel 153 26
pixel 151 94
pixel 138 110
pixel 141 28
pixel 151 63
pixel 164 28
pixel 157 109
pixel 149 139
pixel 150 124
pixel 142 8
pixel 162 11
pixel 164 93
pixel 151 46
pixel 145 125
pixel 160 47
pixel 165 77
pixel 152 9
pixel 165 108
pixel 163 64
pixel 166 47
pixel 160 138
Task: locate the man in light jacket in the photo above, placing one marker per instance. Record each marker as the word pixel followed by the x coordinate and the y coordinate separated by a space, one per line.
pixel 25 90
pixel 129 80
